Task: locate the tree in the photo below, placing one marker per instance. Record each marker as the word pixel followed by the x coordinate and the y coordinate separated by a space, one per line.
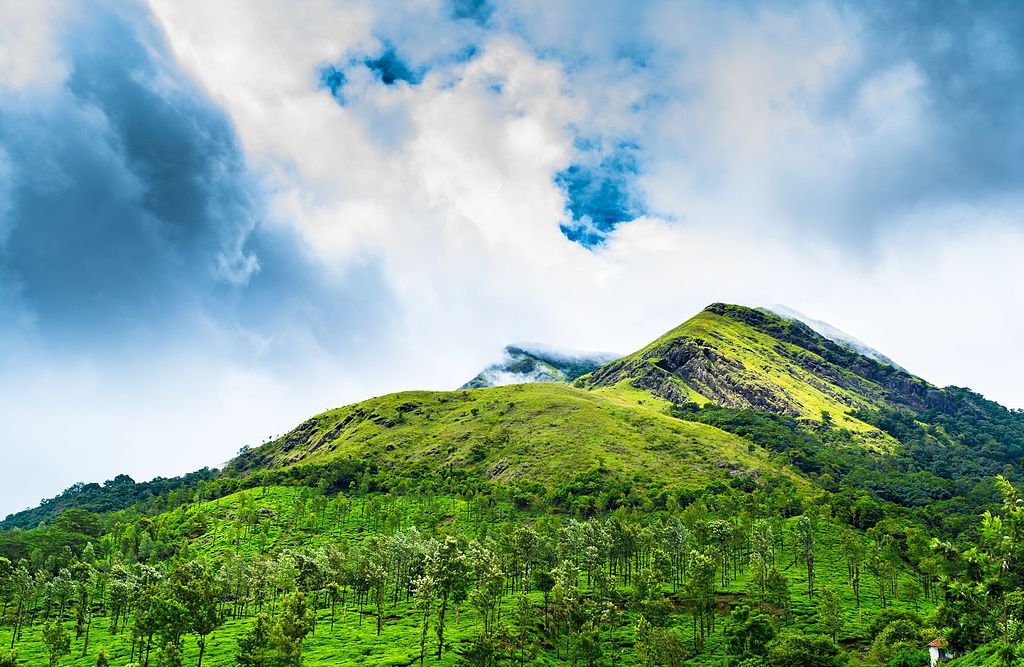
pixel 296 621
pixel 193 587
pixel 721 535
pixel 648 597
pixel 900 636
pixel 830 612
pixel 803 650
pixel 169 656
pixel 525 628
pixel 855 550
pixel 567 611
pixel 23 587
pixel 748 633
pixel 983 585
pixel 424 596
pixel 490 581
pixel 805 546
pixel 762 557
pixel 700 595
pixel 658 646
pixel 57 640
pixel 254 646
pixel 376 566
pixel 447 568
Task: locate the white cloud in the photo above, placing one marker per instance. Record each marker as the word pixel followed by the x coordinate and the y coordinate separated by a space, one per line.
pixel 30 53
pixel 775 164
pixel 751 143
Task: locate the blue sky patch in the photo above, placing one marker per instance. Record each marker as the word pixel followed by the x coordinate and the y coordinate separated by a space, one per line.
pixel 333 79
pixel 391 69
pixel 599 192
pixel 478 11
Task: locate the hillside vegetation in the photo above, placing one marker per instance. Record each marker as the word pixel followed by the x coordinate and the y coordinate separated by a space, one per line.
pixel 541 433
pixel 741 491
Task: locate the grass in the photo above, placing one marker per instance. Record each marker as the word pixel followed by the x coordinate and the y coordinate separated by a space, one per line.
pixel 543 432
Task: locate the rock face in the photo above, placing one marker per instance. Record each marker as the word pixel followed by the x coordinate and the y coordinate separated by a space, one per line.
pixel 755 359
pixel 524 364
pixel 684 366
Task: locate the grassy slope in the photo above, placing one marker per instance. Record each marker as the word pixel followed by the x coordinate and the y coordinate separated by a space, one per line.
pixel 354 641
pixel 543 432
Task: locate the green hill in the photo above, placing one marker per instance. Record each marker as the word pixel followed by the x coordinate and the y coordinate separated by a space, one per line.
pixel 745 358
pixel 545 433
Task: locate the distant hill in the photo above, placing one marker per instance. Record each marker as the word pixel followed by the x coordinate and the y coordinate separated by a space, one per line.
pixel 527 363
pixel 750 358
pixel 842 420
pixel 114 494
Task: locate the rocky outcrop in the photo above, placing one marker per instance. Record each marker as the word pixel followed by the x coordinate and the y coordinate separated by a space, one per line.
pixel 684 364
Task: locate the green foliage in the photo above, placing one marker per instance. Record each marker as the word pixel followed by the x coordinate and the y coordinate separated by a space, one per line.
pixel 890 615
pixel 263 546
pixel 831 612
pixel 57 640
pixel 115 494
pixel 748 632
pixel 909 657
pixel 169 656
pixel 296 621
pixel 901 636
pixel 793 649
pixel 983 583
pixel 254 647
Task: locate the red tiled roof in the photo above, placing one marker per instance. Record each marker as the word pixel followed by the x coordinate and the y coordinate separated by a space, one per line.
pixel 938 642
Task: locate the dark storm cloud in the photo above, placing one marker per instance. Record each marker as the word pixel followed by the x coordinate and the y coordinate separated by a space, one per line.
pixel 857 173
pixel 973 65
pixel 129 188
pixel 964 145
pixel 129 205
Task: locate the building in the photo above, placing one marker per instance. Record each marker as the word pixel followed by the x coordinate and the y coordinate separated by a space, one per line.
pixel 937 651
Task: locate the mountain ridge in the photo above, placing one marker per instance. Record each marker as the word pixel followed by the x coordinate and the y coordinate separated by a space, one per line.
pixel 834 334
pixel 737 433
pixel 726 356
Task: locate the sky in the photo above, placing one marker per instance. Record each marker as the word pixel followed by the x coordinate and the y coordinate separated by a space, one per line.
pixel 220 218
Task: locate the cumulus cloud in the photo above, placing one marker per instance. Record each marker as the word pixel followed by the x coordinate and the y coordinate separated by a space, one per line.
pixel 260 210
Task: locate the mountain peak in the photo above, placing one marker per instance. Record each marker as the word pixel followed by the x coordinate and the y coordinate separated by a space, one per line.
pixel 751 358
pixel 525 363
